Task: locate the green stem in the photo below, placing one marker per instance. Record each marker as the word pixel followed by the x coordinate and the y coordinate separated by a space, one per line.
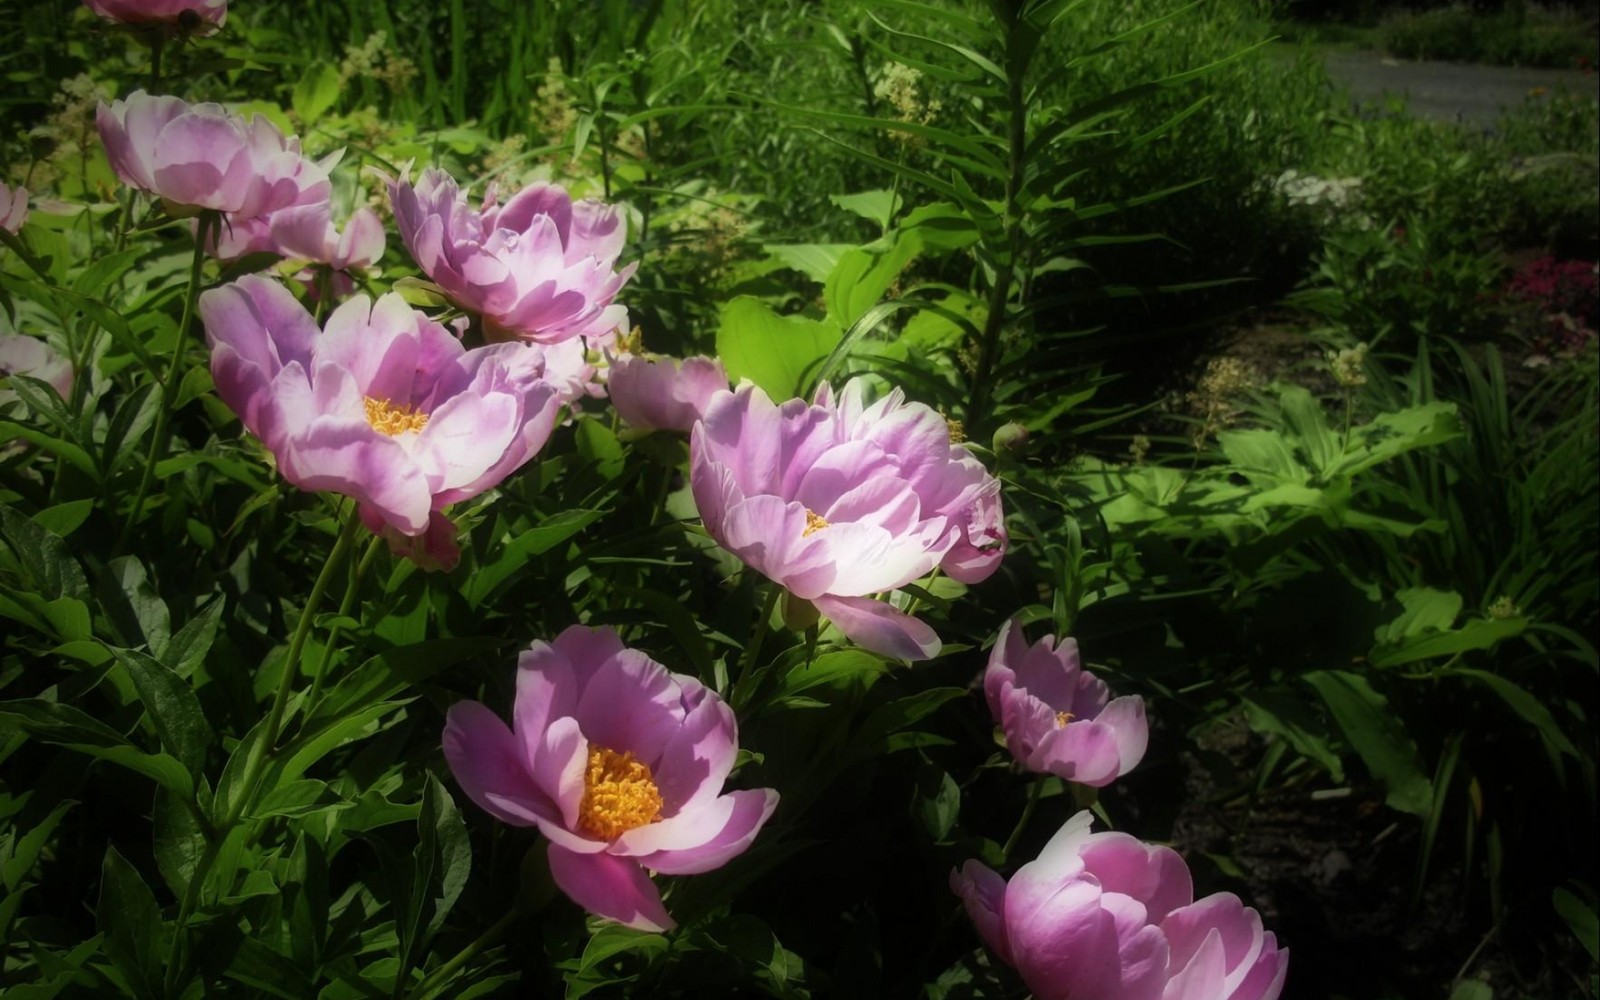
pixel 177 953
pixel 433 980
pixel 160 434
pixel 1034 795
pixel 1000 292
pixel 351 591
pixel 753 647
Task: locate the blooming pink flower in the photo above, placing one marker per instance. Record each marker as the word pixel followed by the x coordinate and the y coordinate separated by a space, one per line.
pixel 619 763
pixel 1104 916
pixel 839 500
pixel 1058 718
pixel 658 393
pixel 384 405
pixel 306 232
pixel 541 266
pixel 13 208
pixel 31 356
pixel 203 16
pixel 202 156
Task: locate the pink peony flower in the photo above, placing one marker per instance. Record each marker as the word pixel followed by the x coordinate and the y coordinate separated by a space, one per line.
pixel 838 501
pixel 202 156
pixel 31 356
pixel 619 763
pixel 1104 916
pixel 305 232
pixel 1058 718
pixel 657 393
pixel 540 267
pixel 199 16
pixel 383 405
pixel 13 208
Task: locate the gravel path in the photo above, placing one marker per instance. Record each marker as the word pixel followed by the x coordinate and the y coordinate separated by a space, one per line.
pixel 1449 91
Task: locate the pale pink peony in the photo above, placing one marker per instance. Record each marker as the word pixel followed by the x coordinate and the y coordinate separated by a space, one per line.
pixel 1104 916
pixel 541 266
pixel 197 16
pixel 839 500
pixel 31 356
pixel 203 156
pixel 13 208
pixel 664 394
pixel 619 763
pixel 304 232
pixel 383 405
pixel 1057 717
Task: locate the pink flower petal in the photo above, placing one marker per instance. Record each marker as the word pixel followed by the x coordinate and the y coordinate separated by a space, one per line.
pixel 876 626
pixel 611 887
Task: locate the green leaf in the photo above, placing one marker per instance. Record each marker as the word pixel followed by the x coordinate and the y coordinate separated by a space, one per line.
pixel 296 798
pixel 1392 434
pixel 188 649
pixel 1305 418
pixel 444 830
pixel 43 556
pixel 839 668
pixel 172 706
pixel 64 518
pixel 876 734
pixel 777 353
pixel 1424 611
pixel 178 841
pixel 316 92
pixel 1524 704
pixel 613 940
pixel 68 727
pixel 1283 714
pixel 25 851
pixel 814 260
pixel 127 914
pixel 135 609
pixel 1580 916
pixel 1472 989
pixel 511 555
pixel 1378 736
pixel 875 206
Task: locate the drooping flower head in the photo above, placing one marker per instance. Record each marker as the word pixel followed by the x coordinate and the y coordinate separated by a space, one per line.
pixel 1103 915
pixel 203 156
pixel 199 17
pixel 541 266
pixel 658 393
pixel 383 405
pixel 31 356
pixel 619 763
pixel 840 500
pixel 1057 717
pixel 13 208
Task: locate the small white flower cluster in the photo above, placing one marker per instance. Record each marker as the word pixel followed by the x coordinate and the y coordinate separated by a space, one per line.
pixel 900 87
pixel 1338 193
pixel 1349 366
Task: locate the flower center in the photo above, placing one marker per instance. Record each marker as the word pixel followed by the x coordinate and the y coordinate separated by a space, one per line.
pixel 391 419
pixel 958 431
pixel 618 794
pixel 1062 718
pixel 814 523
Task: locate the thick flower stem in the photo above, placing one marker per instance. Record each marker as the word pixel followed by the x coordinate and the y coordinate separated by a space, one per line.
pixel 1035 793
pixel 438 977
pixel 160 434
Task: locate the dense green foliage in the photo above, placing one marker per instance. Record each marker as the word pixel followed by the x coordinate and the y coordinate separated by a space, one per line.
pixel 1356 583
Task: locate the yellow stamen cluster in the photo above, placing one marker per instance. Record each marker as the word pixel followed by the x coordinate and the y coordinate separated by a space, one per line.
pixel 619 794
pixel 387 418
pixel 958 433
pixel 1062 718
pixel 814 522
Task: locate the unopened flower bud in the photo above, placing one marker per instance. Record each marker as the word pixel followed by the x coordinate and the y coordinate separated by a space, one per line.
pixel 1011 437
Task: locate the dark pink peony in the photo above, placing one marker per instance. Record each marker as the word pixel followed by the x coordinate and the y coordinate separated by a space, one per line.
pixel 541 266
pixel 840 500
pixel 1102 916
pixel 1057 717
pixel 383 405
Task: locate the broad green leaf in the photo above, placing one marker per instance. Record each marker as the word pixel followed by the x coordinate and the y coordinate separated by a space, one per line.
pixel 1378 735
pixel 613 940
pixel 1424 611
pixel 64 518
pixel 127 914
pixel 836 668
pixel 188 649
pixel 1305 418
pixel 172 706
pixel 448 837
pixel 135 609
pixel 43 556
pixel 1392 434
pixel 862 276
pixel 68 727
pixel 777 353
pixel 875 206
pixel 177 842
pixel 316 92
pixel 814 260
